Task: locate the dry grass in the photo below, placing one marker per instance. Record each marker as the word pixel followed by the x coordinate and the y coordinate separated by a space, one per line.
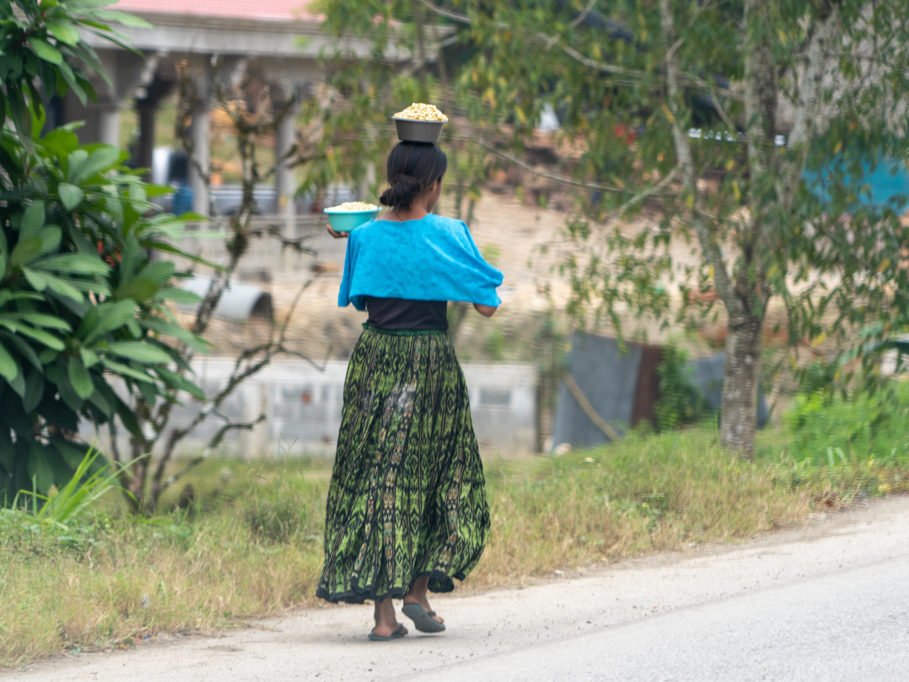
pixel 252 544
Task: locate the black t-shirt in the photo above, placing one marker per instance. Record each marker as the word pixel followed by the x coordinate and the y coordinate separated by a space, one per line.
pixel 399 313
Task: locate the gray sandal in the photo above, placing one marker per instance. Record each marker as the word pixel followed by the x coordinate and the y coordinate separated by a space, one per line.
pixel 398 632
pixel 422 619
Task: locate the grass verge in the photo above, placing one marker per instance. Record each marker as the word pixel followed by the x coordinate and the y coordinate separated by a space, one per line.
pixel 250 544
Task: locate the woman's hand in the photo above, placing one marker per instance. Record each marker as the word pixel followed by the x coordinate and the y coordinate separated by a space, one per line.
pixel 337 235
pixel 485 310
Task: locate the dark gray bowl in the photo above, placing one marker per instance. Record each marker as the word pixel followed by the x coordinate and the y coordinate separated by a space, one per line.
pixel 418 131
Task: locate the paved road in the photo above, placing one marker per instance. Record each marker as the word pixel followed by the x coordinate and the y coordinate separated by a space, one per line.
pixel 827 602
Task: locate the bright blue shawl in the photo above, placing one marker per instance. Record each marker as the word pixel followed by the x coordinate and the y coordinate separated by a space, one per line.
pixel 430 259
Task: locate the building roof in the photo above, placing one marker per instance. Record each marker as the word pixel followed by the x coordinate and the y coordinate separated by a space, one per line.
pixel 268 10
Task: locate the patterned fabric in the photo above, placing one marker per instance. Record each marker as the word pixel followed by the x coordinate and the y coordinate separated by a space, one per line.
pixel 407 495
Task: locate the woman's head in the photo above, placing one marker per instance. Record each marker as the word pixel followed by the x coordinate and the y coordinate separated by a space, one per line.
pixel 412 168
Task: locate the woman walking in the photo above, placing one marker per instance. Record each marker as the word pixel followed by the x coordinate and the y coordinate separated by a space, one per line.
pixel 406 509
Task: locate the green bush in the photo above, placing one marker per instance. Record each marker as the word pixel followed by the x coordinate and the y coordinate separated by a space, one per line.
pixel 680 402
pixel 83 289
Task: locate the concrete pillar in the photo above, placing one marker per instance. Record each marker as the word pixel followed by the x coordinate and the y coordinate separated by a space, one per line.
pixel 108 118
pixel 285 186
pixel 199 134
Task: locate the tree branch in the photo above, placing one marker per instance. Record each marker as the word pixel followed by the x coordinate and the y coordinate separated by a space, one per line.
pixel 709 247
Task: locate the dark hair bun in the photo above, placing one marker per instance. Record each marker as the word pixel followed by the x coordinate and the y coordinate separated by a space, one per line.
pixel 411 168
pixel 403 190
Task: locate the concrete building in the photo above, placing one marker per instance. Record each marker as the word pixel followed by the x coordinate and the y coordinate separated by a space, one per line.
pixel 273 44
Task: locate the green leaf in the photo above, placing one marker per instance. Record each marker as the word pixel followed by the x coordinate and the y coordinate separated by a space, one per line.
pixel 25 251
pixel 41 336
pixel 40 468
pixel 63 31
pixel 44 320
pixel 159 272
pixel 70 195
pixel 60 141
pixel 104 319
pixel 34 390
pixel 24 348
pixel 36 279
pixel 139 351
pixel 45 50
pixel 103 158
pixel 170 329
pixel 179 296
pixel 121 18
pixel 63 287
pixel 178 382
pixel 89 357
pixel 32 220
pixel 18 384
pixel 137 289
pixel 80 378
pixel 50 238
pixel 126 371
pixel 74 263
pixel 9 368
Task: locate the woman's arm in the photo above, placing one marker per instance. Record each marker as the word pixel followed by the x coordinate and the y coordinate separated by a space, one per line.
pixel 485 310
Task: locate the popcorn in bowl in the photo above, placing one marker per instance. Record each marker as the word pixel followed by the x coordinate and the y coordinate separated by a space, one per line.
pixel 353 207
pixel 419 111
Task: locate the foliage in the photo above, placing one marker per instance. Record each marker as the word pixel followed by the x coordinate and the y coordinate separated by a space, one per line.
pixel 863 428
pixel 109 578
pixel 87 486
pixel 750 153
pixel 83 294
pixel 680 402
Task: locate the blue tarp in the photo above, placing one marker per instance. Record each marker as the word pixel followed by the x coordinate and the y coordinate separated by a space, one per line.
pixel 885 185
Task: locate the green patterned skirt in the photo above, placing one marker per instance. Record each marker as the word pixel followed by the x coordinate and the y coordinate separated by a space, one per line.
pixel 407 497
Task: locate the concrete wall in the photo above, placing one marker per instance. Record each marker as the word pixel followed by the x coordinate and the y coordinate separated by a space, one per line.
pixel 302 405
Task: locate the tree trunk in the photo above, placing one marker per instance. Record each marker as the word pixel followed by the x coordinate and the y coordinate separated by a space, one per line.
pixel 738 412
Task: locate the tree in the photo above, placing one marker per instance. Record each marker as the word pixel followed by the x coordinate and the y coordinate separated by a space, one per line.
pixel 749 127
pixel 83 300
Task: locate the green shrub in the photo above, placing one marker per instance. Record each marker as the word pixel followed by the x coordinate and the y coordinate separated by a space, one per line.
pixel 83 287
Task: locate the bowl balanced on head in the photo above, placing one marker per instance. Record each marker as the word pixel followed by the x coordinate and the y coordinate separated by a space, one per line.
pixel 419 122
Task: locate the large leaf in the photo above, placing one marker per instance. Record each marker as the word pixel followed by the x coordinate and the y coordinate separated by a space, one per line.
pixel 9 368
pixel 121 18
pixel 32 220
pixel 50 239
pixel 74 263
pixel 34 390
pixel 80 378
pixel 105 318
pixel 36 279
pixel 70 195
pixel 181 296
pixel 139 351
pixel 25 251
pixel 45 50
pixel 63 31
pixel 101 159
pixel 180 383
pixel 137 289
pixel 126 371
pixel 40 468
pixel 38 335
pixel 44 320
pixel 24 348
